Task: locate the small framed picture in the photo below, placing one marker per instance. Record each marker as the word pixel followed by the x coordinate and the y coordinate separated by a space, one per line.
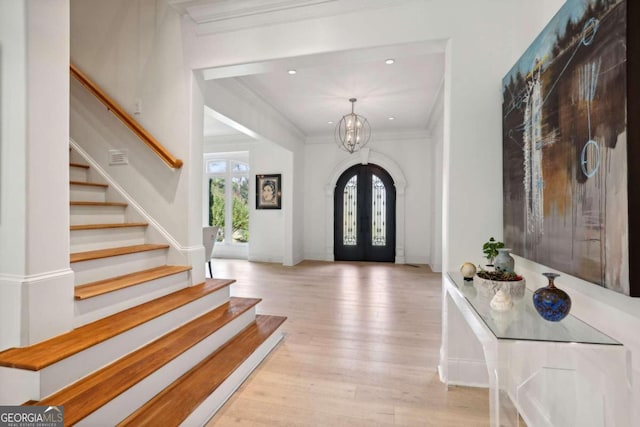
pixel 268 191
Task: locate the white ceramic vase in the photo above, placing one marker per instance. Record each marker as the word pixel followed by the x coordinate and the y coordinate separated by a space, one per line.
pixel 501 301
pixel 504 261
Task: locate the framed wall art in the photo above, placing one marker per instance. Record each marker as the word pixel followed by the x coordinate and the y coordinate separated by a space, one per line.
pixel 571 129
pixel 268 191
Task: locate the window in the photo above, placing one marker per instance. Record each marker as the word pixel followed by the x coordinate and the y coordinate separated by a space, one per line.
pixel 229 197
pixel 378 212
pixel 350 212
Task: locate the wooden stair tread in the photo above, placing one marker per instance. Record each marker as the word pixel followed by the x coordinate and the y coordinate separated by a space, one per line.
pixel 83 203
pixel 79 165
pixel 110 252
pixel 102 287
pixel 174 404
pixel 104 226
pixel 90 393
pixel 89 184
pixel 46 353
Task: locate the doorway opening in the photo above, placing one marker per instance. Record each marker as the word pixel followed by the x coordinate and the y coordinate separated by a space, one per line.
pixel 364 215
pixel 226 201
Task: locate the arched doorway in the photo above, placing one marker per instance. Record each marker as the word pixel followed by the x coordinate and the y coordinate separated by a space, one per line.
pixel 364 215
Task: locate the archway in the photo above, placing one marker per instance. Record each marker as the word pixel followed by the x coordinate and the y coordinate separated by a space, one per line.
pixel 364 215
pixel 364 157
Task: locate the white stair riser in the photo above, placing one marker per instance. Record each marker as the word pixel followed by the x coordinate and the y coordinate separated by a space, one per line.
pixel 84 193
pixel 103 238
pixel 214 402
pixel 18 385
pixel 120 407
pixel 94 308
pixel 81 364
pixel 78 174
pixel 81 215
pixel 104 268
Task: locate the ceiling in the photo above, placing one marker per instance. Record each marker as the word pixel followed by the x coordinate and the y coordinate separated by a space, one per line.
pixel 319 91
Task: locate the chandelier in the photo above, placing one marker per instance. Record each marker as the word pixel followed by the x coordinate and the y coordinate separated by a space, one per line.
pixel 353 131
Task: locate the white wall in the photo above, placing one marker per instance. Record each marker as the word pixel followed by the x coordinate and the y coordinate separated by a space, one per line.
pixel 13 192
pixel 610 312
pixel 36 284
pixel 195 253
pixel 260 121
pixel 436 125
pixel 266 226
pixel 296 216
pixel 133 50
pixel 141 58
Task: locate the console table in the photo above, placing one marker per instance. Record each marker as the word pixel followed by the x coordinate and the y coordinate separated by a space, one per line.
pixel 539 373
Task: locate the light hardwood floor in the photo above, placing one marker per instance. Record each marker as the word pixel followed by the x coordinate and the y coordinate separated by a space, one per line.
pixel 361 349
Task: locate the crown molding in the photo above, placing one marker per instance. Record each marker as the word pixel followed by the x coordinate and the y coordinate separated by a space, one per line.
pixel 202 11
pixel 217 16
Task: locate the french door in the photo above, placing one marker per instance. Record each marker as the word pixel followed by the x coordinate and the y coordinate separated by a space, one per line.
pixel 364 215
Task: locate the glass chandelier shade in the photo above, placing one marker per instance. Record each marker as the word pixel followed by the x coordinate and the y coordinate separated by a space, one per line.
pixel 353 131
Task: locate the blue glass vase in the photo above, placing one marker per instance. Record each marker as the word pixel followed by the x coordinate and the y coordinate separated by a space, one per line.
pixel 552 304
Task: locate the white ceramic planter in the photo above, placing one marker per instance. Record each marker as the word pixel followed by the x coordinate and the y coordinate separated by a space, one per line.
pixel 488 288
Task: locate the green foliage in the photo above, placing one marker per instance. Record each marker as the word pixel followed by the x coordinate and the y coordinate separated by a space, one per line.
pixel 240 210
pixel 239 207
pixel 490 249
pixel 216 205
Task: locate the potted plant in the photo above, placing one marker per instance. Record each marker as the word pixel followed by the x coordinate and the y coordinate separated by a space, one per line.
pixel 490 250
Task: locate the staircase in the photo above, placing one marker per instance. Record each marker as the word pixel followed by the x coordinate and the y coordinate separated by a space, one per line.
pixel 149 347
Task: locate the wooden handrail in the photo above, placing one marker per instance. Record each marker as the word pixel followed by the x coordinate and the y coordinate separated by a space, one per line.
pixel 125 118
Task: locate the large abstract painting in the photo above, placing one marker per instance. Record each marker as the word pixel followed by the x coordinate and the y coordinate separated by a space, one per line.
pixel 568 149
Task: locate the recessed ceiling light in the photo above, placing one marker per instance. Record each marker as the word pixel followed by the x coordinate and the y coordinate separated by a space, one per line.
pixel 389 61
pixel 330 122
pixel 292 72
pixel 392 118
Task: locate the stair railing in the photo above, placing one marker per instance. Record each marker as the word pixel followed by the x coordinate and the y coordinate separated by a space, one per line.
pixel 125 118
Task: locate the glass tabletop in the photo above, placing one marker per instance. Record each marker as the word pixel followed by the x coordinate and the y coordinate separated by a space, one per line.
pixel 522 321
